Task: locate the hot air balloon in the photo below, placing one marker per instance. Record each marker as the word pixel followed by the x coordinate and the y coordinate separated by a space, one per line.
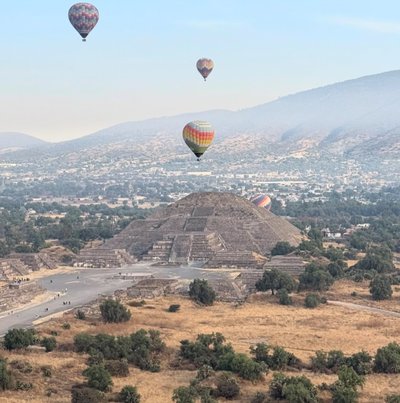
pixel 262 201
pixel 205 67
pixel 83 17
pixel 198 136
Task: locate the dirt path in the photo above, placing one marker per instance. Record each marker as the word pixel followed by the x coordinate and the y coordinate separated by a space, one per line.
pixel 357 307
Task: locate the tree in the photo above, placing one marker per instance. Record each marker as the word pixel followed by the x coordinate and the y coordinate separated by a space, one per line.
pixel 336 269
pixel 19 338
pixel 49 343
pixel 184 394
pixel 315 278
pixel 118 368
pixel 98 378
pixel 349 378
pixel 377 262
pixel 227 387
pixel 114 312
pixel 296 389
pixel 312 301
pixel 4 250
pixel 129 394
pixel 282 248
pixel 345 389
pixel 387 359
pixel 392 399
pixel 343 394
pixel 361 363
pixel 275 280
pixel 83 394
pixel 284 297
pixel 6 378
pixel 380 288
pixel 201 292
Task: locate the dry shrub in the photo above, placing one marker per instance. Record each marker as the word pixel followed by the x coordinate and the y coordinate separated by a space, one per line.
pixel 373 323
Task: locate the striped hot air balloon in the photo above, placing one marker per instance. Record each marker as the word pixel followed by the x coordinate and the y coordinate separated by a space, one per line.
pixel 205 67
pixel 198 137
pixel 262 201
pixel 83 17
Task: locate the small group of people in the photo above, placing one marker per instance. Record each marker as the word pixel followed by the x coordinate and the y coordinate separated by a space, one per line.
pixel 66 302
pixel 21 280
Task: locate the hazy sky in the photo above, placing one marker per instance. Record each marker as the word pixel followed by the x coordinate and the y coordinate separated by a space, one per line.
pixel 139 62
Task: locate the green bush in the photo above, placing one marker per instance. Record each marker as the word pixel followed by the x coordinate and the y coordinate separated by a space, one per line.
pixel 129 394
pixel 83 342
pixel 344 394
pixel 114 312
pixel 381 288
pixel 174 308
pixel 204 373
pixel 95 358
pixel 227 387
pixel 49 343
pixel 293 389
pixel 274 280
pixel 98 378
pixel 279 359
pixel 66 326
pixel 361 363
pixel 184 394
pixel 349 378
pixel 206 350
pixel 118 368
pixel 387 359
pixel 80 315
pixel 7 380
pixel 83 394
pixel 19 338
pixel 201 292
pixel 284 297
pixel 392 399
pixel 242 365
pixel 312 301
pixel 141 349
pixel 282 248
pixel 260 397
pixel 315 278
pixel 211 350
pixel 47 371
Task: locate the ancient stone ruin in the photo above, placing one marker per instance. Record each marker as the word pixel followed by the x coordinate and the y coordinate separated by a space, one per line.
pixel 35 261
pixel 216 229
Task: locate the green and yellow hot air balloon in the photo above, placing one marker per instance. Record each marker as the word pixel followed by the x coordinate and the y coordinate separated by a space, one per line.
pixel 198 136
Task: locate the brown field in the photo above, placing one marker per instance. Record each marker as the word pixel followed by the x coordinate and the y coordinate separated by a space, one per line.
pixel 301 331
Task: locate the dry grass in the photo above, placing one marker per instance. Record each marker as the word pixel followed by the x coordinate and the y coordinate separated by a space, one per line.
pixel 300 330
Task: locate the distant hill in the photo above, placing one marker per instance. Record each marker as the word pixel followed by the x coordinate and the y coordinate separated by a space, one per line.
pixel 358 117
pixel 363 113
pixel 13 141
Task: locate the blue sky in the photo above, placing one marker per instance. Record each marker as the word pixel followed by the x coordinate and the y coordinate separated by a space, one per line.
pixel 139 62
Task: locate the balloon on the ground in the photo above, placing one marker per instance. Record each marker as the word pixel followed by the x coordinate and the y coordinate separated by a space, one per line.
pixel 263 201
pixel 198 136
pixel 205 67
pixel 83 17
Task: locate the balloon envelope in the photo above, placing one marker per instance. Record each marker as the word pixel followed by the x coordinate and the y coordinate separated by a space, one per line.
pixel 262 201
pixel 205 67
pixel 83 17
pixel 198 136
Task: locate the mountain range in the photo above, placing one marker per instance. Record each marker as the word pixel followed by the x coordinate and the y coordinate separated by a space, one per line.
pixel 10 141
pixel 359 117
